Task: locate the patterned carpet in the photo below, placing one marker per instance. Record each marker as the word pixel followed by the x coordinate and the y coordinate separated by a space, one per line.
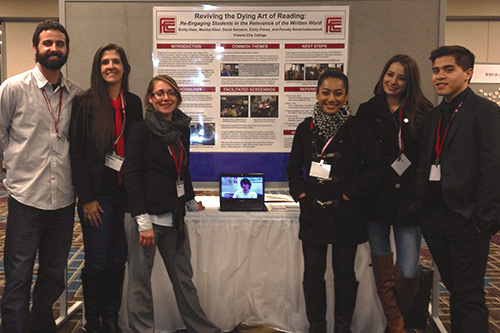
pixel 76 257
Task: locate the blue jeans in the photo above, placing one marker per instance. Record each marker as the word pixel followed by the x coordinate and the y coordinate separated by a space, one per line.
pixel 407 239
pixel 30 229
pixel 105 245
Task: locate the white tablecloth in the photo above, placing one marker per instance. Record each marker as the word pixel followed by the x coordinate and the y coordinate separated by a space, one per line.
pixel 248 268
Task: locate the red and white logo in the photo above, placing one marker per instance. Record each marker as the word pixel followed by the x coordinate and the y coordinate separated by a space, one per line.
pixel 167 25
pixel 333 25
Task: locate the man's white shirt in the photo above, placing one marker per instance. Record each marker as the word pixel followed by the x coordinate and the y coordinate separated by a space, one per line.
pixel 35 156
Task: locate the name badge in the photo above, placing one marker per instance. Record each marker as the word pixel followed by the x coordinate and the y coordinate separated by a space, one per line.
pixel 401 164
pixel 57 144
pixel 435 174
pixel 180 188
pixel 114 161
pixel 320 170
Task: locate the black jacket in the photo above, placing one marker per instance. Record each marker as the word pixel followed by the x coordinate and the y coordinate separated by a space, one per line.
pixel 396 193
pixel 87 162
pixel 150 175
pixel 356 167
pixel 470 162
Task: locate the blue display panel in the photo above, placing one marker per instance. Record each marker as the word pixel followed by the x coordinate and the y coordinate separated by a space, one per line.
pixel 206 167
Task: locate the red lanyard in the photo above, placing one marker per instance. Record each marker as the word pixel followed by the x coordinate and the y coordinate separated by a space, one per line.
pixel 326 145
pixel 324 148
pixel 439 141
pixel 400 135
pixel 178 166
pixel 124 119
pixel 56 121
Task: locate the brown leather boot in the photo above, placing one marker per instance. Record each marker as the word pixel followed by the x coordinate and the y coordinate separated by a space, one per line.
pixel 405 289
pixel 383 270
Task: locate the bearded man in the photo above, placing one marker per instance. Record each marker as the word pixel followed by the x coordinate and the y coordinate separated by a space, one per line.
pixel 35 110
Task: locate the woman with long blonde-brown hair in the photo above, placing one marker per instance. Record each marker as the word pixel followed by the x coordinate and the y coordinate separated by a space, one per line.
pixel 394 115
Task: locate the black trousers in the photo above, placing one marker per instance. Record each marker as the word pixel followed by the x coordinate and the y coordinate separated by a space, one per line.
pixel 31 230
pixel 461 254
pixel 343 257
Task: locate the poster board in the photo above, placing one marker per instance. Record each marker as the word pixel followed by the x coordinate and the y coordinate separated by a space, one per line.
pixel 378 30
pixel 248 76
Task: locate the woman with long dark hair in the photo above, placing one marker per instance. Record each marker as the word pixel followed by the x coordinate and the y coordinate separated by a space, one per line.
pixel 395 115
pixel 342 165
pixel 100 122
pixel 158 182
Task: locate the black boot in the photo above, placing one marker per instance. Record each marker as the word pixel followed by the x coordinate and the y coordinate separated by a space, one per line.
pixel 345 302
pixel 317 327
pixel 315 297
pixel 113 300
pixel 92 284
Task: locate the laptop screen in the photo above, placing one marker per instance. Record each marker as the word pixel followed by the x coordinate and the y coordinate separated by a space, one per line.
pixel 241 186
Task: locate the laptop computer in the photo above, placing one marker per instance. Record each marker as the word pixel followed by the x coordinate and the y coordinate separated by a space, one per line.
pixel 241 192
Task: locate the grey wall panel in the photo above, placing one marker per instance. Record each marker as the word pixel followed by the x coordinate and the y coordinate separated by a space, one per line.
pixel 378 29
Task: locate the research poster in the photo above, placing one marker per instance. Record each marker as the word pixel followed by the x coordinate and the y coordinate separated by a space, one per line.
pixel 248 76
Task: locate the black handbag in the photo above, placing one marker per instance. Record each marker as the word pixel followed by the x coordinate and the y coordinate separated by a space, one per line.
pixel 417 314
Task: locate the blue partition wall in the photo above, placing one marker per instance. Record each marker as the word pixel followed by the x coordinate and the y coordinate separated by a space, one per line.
pixel 207 166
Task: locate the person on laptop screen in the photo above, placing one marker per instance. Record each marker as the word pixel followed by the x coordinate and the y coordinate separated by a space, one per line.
pixel 245 192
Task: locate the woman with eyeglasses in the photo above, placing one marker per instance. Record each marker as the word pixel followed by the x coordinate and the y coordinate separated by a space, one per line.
pixel 158 183
pixel 99 128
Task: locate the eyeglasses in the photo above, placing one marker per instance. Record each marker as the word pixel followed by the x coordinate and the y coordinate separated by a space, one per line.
pixel 161 93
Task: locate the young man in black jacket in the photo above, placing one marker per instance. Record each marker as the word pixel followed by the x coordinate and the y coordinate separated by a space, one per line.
pixel 457 185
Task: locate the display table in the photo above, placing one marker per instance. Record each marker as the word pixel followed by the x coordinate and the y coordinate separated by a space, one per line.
pixel 248 268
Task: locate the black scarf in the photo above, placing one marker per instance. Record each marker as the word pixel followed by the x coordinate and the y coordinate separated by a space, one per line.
pixel 169 133
pixel 327 125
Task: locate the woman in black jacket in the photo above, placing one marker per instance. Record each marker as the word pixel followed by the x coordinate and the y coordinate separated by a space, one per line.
pixel 394 115
pixel 342 166
pixel 100 122
pixel 156 173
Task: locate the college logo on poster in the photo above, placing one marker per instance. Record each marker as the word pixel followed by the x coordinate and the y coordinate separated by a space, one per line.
pixel 333 25
pixel 167 25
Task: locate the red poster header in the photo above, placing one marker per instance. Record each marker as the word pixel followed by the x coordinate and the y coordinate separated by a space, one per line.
pixel 249 89
pixel 250 46
pixel 315 46
pixel 197 89
pixel 185 46
pixel 301 89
